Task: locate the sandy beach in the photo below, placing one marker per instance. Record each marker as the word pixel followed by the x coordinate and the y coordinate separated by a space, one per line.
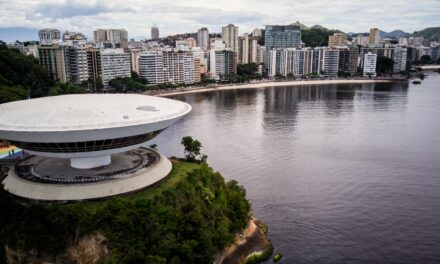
pixel 265 84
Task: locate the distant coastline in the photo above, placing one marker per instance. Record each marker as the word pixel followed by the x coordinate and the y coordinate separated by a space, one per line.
pixel 266 84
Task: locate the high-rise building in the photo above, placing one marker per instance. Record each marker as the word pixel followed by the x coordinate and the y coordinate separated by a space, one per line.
pixel 247 49
pixel 151 68
pixel 361 40
pixel 114 63
pixel 374 36
pixel 94 65
pixel 154 32
pixel 203 38
pixel 222 63
pixel 261 54
pixel 296 62
pixel 258 32
pixel 77 63
pixel 337 40
pixel 179 67
pixel 168 66
pixel 113 38
pixel 370 60
pixel 134 59
pixel 330 63
pixel 49 36
pixel 230 37
pixel 348 60
pixel 244 45
pixel 191 42
pixel 400 58
pixel 217 43
pixel 276 37
pixel 54 59
pixel 197 71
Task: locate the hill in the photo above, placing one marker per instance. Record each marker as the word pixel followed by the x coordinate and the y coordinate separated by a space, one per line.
pixel 317 36
pixel 431 33
pixel 395 34
pixel 187 218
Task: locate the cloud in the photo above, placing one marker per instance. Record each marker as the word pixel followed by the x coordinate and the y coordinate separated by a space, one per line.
pixel 137 16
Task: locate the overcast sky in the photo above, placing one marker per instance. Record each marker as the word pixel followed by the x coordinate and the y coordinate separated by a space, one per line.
pixel 178 16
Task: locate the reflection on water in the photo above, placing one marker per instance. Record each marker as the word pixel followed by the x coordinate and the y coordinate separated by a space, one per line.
pixel 341 173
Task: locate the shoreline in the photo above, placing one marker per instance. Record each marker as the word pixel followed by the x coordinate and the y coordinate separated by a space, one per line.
pixel 258 85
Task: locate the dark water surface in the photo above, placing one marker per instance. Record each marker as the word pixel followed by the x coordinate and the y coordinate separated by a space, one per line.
pixel 341 173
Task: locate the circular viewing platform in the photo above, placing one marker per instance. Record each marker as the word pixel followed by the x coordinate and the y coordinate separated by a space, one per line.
pixel 53 179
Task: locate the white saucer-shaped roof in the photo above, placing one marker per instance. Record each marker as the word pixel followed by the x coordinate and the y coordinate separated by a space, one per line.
pixel 87 117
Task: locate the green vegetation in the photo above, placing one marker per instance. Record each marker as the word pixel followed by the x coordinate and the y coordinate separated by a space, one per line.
pixel 431 33
pixel 259 256
pixel 187 218
pixel 21 76
pixel 384 65
pixel 66 88
pixel 316 36
pixel 192 150
pixel 277 257
pixel 247 72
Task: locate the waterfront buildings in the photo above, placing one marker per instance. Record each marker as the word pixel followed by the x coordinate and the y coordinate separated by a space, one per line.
pixel 175 67
pixel 369 68
pixel 230 37
pixel 337 40
pixel 154 33
pixel 330 64
pixel 49 36
pixel 222 63
pixel 374 37
pixel 203 38
pixel 114 63
pixel 287 36
pixel 400 59
pixel 151 68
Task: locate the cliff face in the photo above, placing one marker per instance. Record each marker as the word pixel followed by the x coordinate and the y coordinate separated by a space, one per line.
pixel 187 218
pixel 88 250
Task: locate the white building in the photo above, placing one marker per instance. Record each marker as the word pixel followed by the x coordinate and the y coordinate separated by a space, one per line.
pixel 151 67
pixel 203 38
pixel 167 67
pixel 77 63
pixel 94 143
pixel 134 59
pixel 400 57
pixel 49 36
pixel 114 63
pixel 178 67
pixel 370 60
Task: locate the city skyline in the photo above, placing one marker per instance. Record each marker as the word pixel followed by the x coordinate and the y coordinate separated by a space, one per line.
pixel 137 17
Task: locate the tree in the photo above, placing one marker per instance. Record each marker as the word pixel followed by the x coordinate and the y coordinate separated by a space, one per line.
pixel 425 59
pixel 14 93
pixel 126 84
pixel 21 70
pixel 279 76
pixel 66 88
pixel 192 150
pixel 384 65
pixel 290 76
